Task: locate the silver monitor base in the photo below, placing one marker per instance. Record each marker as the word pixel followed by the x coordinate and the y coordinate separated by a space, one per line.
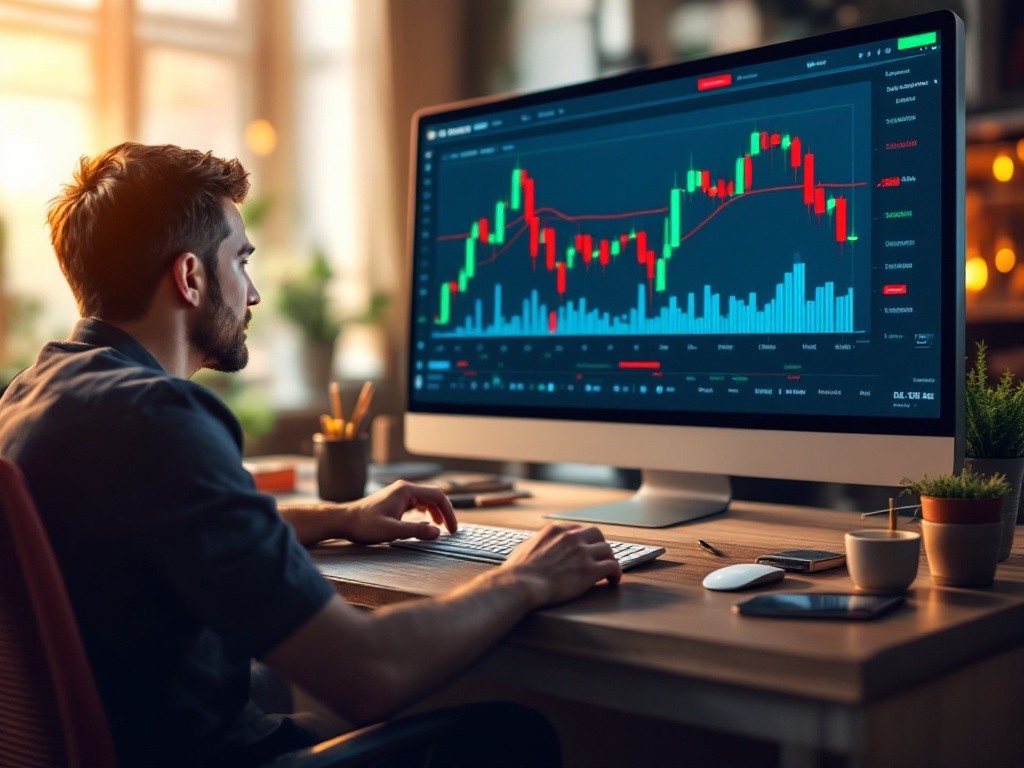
pixel 664 499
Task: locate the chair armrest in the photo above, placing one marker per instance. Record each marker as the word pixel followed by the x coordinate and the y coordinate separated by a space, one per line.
pixel 373 742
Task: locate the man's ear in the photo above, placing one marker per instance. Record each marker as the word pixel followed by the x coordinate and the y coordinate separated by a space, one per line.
pixel 189 277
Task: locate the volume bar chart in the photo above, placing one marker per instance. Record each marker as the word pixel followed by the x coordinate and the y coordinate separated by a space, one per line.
pixel 787 312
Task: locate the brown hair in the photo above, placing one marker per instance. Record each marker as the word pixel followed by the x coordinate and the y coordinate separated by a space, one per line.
pixel 130 212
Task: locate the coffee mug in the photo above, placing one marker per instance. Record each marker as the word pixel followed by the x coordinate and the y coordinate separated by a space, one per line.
pixel 881 561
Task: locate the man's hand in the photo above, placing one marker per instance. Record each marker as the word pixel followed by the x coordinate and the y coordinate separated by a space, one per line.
pixel 378 517
pixel 563 561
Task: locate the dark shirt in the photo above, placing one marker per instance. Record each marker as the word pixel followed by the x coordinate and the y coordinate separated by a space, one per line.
pixel 178 570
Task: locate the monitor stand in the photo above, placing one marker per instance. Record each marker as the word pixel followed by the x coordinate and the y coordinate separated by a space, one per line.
pixel 664 499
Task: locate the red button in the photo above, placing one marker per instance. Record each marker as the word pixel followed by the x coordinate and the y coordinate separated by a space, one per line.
pixel 894 290
pixel 716 81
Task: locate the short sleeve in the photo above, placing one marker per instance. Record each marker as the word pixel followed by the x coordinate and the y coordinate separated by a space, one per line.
pixel 221 546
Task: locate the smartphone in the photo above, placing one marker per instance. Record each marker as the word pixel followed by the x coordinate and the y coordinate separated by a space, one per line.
pixel 494 499
pixel 476 484
pixel 819 605
pixel 805 560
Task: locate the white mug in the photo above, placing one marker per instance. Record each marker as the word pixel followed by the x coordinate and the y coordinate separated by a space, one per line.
pixel 882 561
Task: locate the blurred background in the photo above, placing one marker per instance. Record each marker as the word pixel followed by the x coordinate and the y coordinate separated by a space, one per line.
pixel 315 97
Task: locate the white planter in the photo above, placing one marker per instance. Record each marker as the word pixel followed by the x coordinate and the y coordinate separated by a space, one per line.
pixel 1014 471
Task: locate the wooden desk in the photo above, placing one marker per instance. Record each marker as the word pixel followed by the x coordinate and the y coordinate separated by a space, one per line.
pixel 938 683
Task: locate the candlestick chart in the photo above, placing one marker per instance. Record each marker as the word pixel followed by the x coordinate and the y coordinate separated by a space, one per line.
pixel 751 226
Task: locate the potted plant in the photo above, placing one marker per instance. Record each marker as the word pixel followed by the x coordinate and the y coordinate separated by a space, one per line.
pixel 961 525
pixel 304 301
pixel 994 435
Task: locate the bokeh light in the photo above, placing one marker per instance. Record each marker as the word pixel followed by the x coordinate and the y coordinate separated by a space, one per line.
pixel 977 274
pixel 1006 260
pixel 1002 167
pixel 260 137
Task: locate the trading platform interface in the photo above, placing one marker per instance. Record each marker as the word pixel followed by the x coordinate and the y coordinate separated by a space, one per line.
pixel 762 241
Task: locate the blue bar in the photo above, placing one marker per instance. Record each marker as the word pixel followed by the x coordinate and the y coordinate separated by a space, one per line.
pixel 830 303
pixel 498 320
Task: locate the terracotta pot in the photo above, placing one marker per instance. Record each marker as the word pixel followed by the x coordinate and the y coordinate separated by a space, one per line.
pixel 961 511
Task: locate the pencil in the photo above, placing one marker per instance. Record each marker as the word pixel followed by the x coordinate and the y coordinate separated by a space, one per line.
pixel 362 406
pixel 710 548
pixel 336 408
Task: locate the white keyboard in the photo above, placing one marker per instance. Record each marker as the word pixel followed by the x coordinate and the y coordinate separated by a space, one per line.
pixel 491 544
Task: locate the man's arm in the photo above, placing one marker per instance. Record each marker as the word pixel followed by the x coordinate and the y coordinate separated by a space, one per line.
pixel 373 519
pixel 368 665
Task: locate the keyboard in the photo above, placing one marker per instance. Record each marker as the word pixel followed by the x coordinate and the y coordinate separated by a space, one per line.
pixel 492 544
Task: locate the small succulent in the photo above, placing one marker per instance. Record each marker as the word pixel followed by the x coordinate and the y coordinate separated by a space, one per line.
pixel 965 485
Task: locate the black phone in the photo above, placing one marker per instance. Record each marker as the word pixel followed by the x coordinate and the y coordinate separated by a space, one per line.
pixel 804 560
pixel 819 605
pixel 476 484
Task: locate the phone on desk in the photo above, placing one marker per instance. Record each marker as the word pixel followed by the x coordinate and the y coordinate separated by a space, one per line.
pixel 819 605
pixel 492 499
pixel 475 484
pixel 804 560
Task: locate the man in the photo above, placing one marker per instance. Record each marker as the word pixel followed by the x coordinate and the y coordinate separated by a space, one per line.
pixel 179 571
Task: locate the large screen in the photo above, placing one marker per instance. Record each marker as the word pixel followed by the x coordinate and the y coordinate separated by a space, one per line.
pixel 685 268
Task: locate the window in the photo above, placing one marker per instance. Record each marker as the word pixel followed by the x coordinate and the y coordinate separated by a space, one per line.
pixel 78 76
pixel 68 87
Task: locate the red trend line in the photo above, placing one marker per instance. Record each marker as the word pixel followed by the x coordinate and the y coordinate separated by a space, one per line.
pixel 567 217
pixel 732 200
pixel 572 218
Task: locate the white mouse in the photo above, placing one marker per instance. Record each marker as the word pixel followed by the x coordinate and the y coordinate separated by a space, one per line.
pixel 742 575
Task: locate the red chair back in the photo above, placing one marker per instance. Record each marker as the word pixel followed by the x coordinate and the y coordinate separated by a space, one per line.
pixel 50 710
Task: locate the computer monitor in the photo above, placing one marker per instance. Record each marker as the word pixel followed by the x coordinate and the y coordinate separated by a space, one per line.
pixel 747 265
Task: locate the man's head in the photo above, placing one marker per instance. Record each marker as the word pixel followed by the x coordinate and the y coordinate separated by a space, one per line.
pixel 218 330
pixel 131 213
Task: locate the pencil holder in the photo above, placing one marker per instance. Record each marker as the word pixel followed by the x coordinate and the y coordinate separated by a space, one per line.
pixel 341 467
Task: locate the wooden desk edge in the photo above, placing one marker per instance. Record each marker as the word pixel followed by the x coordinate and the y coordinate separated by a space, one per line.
pixel 829 676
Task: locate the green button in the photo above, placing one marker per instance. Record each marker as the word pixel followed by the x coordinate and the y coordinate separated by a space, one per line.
pixel 916 41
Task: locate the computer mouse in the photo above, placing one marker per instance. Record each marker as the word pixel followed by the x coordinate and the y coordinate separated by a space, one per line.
pixel 742 575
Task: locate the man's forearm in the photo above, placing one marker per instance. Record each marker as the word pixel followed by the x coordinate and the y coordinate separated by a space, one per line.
pixel 368 664
pixel 427 642
pixel 313 522
pixel 393 655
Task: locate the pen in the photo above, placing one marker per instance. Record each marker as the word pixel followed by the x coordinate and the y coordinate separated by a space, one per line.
pixel 710 548
pixel 469 500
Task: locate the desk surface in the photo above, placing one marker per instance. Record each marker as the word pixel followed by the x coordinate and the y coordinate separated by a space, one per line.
pixel 661 620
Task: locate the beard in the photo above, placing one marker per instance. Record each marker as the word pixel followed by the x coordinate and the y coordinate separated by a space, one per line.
pixel 220 335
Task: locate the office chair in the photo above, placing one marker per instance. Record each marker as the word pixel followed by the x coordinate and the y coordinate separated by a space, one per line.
pixel 50 710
